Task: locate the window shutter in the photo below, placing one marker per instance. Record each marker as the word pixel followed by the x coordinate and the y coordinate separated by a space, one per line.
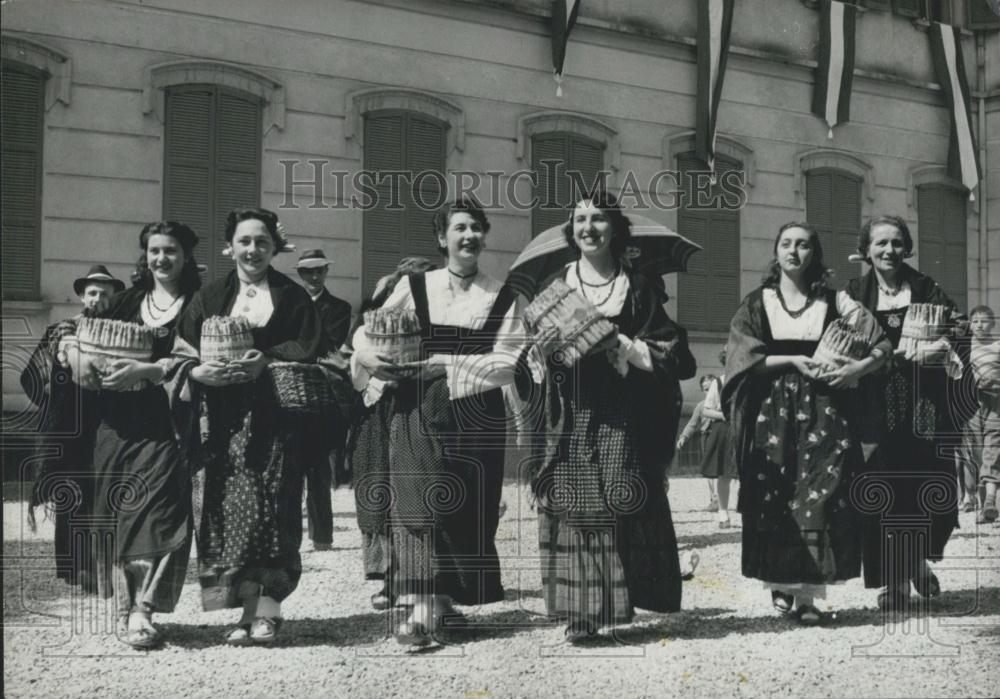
pixel 708 293
pixel 941 215
pixel 23 116
pixel 980 16
pixel 833 206
pixel 212 163
pixel 414 143
pixel 908 8
pixel 551 190
pixel 883 5
pixel 237 178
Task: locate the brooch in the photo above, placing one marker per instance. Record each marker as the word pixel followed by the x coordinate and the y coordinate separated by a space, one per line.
pixel 894 321
pixel 161 332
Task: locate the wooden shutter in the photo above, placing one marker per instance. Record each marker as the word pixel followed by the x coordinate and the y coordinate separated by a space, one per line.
pixel 833 206
pixel 709 292
pixel 556 188
pixel 411 142
pixel 23 119
pixel 908 8
pixel 212 163
pixel 883 5
pixel 941 216
pixel 980 16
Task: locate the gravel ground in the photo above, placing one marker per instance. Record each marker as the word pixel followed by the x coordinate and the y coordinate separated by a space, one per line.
pixel 726 642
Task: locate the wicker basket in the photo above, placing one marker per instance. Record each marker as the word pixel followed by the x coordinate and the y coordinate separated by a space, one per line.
pixel 924 324
pixel 100 342
pixel 225 338
pixel 565 325
pixel 840 341
pixel 400 336
pixel 301 389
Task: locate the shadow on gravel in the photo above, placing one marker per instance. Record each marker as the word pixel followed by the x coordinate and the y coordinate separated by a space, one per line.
pixel 704 541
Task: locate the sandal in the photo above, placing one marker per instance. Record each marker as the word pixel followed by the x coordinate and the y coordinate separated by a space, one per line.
pixel 782 601
pixel 927 585
pixel 580 633
pixel 238 635
pixel 987 514
pixel 808 615
pixel 689 563
pixel 265 629
pixel 413 633
pixel 144 638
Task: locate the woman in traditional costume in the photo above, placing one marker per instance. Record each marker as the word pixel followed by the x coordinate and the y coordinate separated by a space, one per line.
pixel 793 420
pixel 605 531
pixel 142 482
pixel 252 452
pixel 368 451
pixel 447 428
pixel 914 417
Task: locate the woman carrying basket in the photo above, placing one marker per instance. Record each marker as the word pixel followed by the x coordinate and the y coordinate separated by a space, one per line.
pixel 605 531
pixel 794 422
pixel 142 483
pixel 252 453
pixel 915 414
pixel 447 428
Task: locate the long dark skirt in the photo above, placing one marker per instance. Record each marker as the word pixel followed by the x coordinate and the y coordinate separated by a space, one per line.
pixel 446 474
pixel 605 531
pixel 718 459
pixel 251 521
pixel 142 504
pixel 368 452
pixel 910 488
pixel 799 524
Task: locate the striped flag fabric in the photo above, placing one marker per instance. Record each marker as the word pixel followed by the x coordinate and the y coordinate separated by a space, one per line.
pixel 946 51
pixel 835 73
pixel 715 21
pixel 564 14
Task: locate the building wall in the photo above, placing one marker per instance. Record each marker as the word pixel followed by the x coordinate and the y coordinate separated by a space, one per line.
pixel 631 65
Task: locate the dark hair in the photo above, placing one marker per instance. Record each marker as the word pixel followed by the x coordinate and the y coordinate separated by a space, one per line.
pixel 816 276
pixel 621 227
pixel 190 280
pixel 722 356
pixel 706 377
pixel 983 309
pixel 466 204
pixel 268 218
pixel 865 234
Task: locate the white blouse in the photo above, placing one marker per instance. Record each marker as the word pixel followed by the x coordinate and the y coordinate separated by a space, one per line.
pixel 254 303
pixel 449 304
pixel 809 325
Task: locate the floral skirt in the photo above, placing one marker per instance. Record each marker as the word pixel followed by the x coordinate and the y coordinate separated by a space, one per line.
pixel 799 524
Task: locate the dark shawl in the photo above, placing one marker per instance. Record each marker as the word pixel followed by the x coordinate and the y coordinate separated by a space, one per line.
pixel 657 396
pixel 745 387
pixel 293 333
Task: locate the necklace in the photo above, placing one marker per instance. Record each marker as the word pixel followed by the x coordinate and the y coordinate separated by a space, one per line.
pixel 890 292
pixel 463 276
pixel 149 299
pixel 252 288
pixel 583 286
pixel 791 313
pixel 163 312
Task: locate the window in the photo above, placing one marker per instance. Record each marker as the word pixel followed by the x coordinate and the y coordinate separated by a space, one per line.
pixel 941 217
pixel 411 142
pixel 553 157
pixel 211 162
pixel 833 206
pixel 980 15
pixel 23 112
pixel 709 293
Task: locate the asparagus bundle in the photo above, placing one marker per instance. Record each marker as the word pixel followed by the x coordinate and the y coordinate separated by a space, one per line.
pixel 924 324
pixel 394 333
pixel 840 341
pixel 99 342
pixel 564 322
pixel 224 338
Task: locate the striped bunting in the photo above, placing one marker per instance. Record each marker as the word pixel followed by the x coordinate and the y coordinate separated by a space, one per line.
pixel 564 14
pixel 835 73
pixel 946 50
pixel 715 20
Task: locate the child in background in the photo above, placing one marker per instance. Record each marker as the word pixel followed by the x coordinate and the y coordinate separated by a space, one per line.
pixel 699 425
pixel 982 432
